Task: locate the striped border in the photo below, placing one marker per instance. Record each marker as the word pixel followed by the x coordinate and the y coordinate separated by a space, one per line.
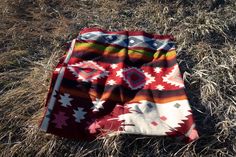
pixel 124 38
pixel 51 103
pixel 128 32
pixel 85 48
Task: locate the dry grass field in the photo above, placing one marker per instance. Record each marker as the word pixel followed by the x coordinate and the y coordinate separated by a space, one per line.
pixel 33 34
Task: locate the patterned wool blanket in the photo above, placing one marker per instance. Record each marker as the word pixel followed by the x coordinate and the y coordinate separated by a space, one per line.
pixel 118 82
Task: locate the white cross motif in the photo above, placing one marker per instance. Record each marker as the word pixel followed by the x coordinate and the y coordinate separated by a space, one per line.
pixel 119 73
pixel 160 87
pixel 97 104
pixel 157 70
pixel 113 66
pixel 111 82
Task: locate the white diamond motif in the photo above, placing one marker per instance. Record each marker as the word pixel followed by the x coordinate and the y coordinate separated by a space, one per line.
pixel 87 71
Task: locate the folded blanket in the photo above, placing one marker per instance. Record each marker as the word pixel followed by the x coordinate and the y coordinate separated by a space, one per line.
pixel 125 82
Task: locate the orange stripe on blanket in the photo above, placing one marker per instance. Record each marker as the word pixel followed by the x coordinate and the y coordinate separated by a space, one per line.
pixel 114 97
pixel 122 53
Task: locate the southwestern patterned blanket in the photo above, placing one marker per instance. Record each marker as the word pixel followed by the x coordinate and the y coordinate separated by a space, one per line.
pixel 118 82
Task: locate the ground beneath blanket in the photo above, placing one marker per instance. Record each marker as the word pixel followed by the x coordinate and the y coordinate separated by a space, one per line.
pixel 33 36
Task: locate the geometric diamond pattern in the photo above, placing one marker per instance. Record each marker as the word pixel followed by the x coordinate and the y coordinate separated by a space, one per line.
pixel 163 118
pixel 177 105
pixel 130 41
pixel 134 77
pixel 87 71
pixel 150 111
pixel 110 38
pixel 134 41
pixel 174 77
pixel 154 123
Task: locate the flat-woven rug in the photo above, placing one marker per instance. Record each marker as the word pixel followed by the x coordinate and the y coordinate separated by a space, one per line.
pixel 122 82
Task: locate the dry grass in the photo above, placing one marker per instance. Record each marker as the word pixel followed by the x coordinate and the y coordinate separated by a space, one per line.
pixel 32 38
